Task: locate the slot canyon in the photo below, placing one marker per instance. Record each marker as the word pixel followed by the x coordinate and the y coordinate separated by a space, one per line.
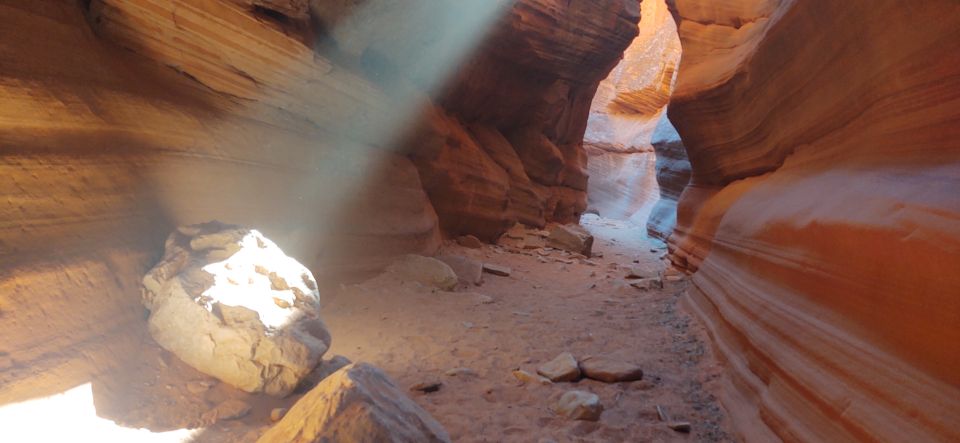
pixel 479 220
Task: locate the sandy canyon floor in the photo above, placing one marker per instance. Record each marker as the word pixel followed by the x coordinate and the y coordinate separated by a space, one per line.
pixel 550 303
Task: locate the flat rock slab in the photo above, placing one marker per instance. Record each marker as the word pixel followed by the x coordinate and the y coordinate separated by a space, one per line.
pixel 562 368
pixel 357 403
pixel 579 405
pixel 502 271
pixel 610 370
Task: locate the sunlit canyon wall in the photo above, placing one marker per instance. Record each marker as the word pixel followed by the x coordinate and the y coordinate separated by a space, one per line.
pixel 334 127
pixel 624 113
pixel 823 216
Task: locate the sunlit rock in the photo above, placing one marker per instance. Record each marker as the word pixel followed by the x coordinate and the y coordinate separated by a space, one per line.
pixel 357 403
pixel 230 303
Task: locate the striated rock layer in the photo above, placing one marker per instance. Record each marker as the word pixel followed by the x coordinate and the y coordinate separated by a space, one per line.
pixel 673 175
pixel 823 218
pixel 123 119
pixel 623 116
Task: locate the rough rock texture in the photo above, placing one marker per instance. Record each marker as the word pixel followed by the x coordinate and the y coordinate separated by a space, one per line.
pixel 562 368
pixel 823 212
pixel 124 119
pixel 523 99
pixel 623 115
pixel 103 151
pixel 230 303
pixel 609 370
pixel 673 174
pixel 424 270
pixel 358 404
pixel 573 238
pixel 579 405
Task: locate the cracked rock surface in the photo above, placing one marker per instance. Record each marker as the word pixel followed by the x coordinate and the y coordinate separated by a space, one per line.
pixel 231 304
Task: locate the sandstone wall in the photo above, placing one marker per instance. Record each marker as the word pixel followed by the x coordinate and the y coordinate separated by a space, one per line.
pixel 623 116
pixel 823 217
pixel 123 119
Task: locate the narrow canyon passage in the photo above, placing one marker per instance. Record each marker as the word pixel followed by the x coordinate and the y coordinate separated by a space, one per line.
pixel 404 221
pixel 549 304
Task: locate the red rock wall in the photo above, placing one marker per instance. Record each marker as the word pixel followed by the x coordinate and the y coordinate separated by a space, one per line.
pixel 122 119
pixel 823 217
pixel 623 116
pixel 103 151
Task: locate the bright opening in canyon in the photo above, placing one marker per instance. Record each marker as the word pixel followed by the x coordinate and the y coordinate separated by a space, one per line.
pixel 479 220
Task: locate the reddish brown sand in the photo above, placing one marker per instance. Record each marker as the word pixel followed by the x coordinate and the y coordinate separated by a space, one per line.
pixel 540 310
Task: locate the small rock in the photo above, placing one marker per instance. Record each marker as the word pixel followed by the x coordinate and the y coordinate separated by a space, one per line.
pixel 460 372
pixel 679 426
pixel 485 299
pixel 502 271
pixel 648 283
pixel 533 241
pixel 426 270
pixel 469 241
pixel 518 231
pixel 468 271
pixel 227 410
pixel 636 272
pixel 199 387
pixel 571 238
pixel 562 368
pixel 277 413
pixel 579 405
pixel 609 370
pixel 526 377
pixel 427 387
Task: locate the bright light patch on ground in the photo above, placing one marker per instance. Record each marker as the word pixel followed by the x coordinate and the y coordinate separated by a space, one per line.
pixel 71 416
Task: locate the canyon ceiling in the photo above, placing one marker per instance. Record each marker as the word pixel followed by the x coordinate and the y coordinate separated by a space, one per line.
pixel 821 221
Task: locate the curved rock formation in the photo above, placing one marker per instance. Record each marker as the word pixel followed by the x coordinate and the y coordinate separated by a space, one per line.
pixel 673 174
pixel 823 216
pixel 623 115
pixel 123 119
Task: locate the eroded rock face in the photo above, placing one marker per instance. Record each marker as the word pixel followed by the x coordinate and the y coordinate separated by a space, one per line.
pixel 357 403
pixel 128 118
pixel 673 174
pixel 623 116
pixel 822 210
pixel 230 303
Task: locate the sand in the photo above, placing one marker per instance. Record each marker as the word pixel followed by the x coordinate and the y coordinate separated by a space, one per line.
pixel 548 305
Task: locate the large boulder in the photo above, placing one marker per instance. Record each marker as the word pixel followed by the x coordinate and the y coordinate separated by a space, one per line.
pixel 230 303
pixel 357 404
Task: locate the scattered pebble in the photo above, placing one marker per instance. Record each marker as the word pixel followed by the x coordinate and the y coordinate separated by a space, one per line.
pixel 427 387
pixel 277 413
pixel 460 372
